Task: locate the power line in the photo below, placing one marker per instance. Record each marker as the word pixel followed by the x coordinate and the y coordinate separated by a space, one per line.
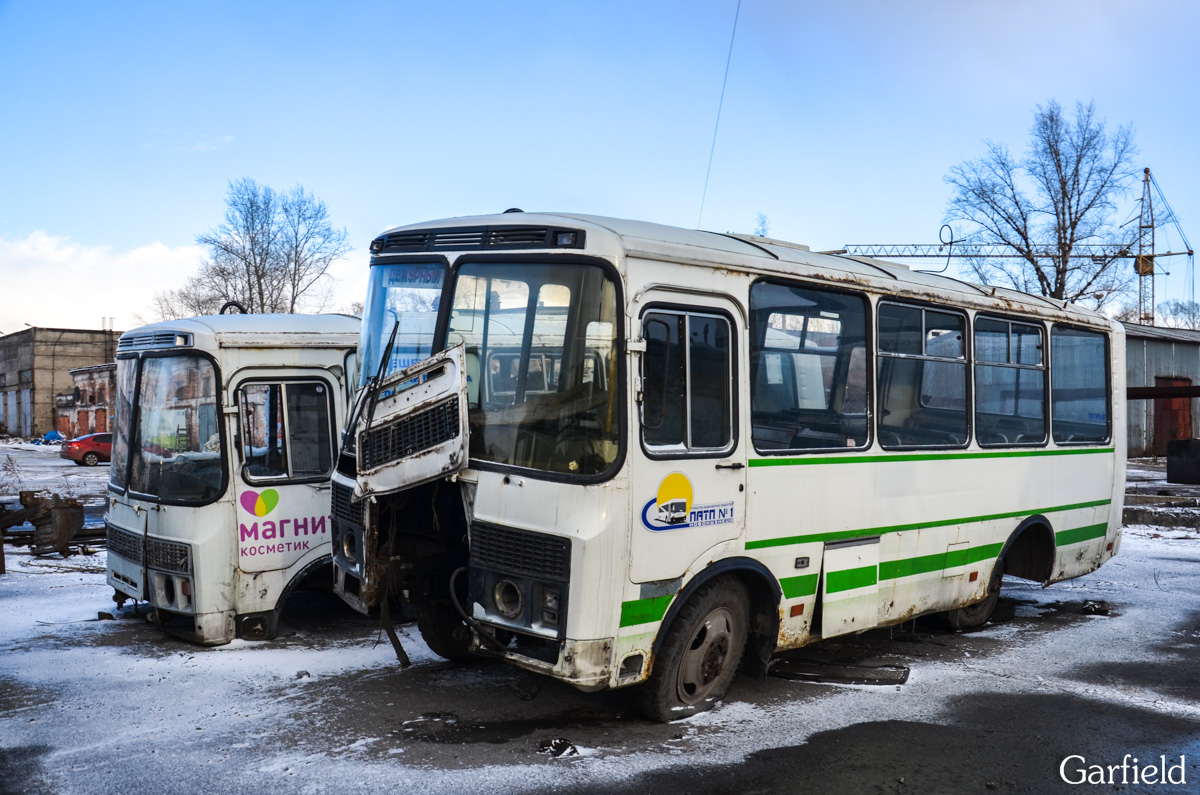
pixel 720 104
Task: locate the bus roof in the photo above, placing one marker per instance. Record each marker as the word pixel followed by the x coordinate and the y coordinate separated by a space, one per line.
pixel 239 331
pixel 613 236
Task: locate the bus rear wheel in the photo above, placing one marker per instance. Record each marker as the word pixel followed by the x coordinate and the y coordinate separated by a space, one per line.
pixel 978 614
pixel 700 652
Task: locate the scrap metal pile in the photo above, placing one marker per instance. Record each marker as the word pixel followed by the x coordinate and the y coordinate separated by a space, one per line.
pixel 56 522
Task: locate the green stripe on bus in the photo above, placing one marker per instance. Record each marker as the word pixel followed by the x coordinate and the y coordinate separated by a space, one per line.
pixel 796 587
pixel 849 579
pixel 895 569
pixel 645 611
pixel 850 458
pixel 1080 534
pixel 867 532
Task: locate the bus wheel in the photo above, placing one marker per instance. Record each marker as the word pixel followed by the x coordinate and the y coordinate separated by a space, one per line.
pixel 444 631
pixel 977 615
pixel 700 652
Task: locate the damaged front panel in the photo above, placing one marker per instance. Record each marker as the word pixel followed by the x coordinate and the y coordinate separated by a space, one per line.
pixel 417 431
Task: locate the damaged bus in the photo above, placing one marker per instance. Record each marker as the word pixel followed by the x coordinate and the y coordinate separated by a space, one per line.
pixel 619 453
pixel 224 441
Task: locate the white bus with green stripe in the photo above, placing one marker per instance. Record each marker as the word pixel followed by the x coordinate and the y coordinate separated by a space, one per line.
pixel 708 448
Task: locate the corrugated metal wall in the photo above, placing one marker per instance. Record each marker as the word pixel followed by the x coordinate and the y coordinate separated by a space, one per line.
pixel 1146 360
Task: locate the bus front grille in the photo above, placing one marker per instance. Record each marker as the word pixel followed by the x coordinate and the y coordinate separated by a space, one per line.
pixel 410 434
pixel 521 552
pixel 344 510
pixel 168 556
pixel 465 238
pixel 123 543
pixel 134 342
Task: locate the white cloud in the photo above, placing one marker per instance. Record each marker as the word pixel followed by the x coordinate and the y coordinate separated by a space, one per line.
pixel 54 281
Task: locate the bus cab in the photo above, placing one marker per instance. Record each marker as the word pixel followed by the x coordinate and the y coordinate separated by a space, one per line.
pixel 224 440
pixel 620 453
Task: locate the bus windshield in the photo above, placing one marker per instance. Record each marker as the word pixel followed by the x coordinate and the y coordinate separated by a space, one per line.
pixel 406 294
pixel 167 443
pixel 541 370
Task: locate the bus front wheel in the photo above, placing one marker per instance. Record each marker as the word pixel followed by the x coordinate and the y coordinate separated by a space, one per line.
pixel 443 630
pixel 978 614
pixel 700 652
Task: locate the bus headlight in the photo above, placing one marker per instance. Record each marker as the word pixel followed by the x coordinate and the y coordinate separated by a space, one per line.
pixel 509 601
pixel 550 603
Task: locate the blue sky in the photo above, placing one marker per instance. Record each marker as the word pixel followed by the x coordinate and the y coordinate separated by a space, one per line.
pixel 122 123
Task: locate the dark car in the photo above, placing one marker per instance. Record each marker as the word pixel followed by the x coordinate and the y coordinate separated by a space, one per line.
pixel 88 450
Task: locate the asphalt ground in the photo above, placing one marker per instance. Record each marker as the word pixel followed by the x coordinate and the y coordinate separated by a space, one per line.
pixel 1093 671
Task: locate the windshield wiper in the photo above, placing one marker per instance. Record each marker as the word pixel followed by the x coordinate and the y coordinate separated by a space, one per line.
pixel 370 392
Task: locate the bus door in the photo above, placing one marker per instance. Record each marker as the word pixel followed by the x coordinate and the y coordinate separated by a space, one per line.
pixel 284 443
pixel 689 480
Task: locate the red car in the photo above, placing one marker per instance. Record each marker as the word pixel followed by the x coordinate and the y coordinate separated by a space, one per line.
pixel 88 450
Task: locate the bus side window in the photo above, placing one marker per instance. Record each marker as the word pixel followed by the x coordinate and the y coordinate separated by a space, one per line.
pixel 1010 383
pixel 686 377
pixel 1078 386
pixel 261 418
pixel 808 368
pixel 922 377
pixel 663 410
pixel 285 430
pixel 308 430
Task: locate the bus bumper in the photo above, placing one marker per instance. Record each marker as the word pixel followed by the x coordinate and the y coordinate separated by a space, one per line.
pixel 585 664
pixel 207 629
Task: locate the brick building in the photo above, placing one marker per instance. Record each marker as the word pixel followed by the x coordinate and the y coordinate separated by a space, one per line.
pixel 35 367
pixel 88 408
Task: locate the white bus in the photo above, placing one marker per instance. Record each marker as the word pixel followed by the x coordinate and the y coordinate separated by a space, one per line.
pixel 224 441
pixel 747 446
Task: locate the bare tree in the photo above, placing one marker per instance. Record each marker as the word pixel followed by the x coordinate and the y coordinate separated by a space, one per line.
pixel 272 253
pixel 190 300
pixel 308 244
pixel 1179 314
pixel 244 262
pixel 1062 193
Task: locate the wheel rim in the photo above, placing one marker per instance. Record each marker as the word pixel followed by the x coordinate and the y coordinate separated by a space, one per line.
pixel 707 656
pixel 90 459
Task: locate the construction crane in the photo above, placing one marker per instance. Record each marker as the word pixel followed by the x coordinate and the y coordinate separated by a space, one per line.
pixel 1140 250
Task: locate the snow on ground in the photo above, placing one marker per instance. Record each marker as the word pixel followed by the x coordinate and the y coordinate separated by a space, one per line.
pixel 32 467
pixel 95 706
pixel 111 715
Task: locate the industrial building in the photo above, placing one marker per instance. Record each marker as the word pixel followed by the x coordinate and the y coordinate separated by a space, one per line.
pixel 35 367
pixel 1161 358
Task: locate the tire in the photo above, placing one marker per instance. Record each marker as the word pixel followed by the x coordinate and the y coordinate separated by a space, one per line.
pixel 90 459
pixel 700 653
pixel 444 631
pixel 978 614
pixel 260 626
